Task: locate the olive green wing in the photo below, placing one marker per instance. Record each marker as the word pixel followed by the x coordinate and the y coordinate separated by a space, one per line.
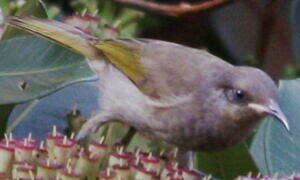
pixel 159 69
pixel 126 56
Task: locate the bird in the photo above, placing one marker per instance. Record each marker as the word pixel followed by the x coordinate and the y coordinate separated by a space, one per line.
pixel 184 96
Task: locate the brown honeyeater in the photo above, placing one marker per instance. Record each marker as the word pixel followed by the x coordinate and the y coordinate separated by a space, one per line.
pixel 181 95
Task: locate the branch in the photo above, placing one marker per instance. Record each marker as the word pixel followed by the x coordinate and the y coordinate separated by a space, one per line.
pixel 172 10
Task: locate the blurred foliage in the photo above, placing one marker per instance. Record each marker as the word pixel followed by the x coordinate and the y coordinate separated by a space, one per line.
pixel 29 8
pixel 292 71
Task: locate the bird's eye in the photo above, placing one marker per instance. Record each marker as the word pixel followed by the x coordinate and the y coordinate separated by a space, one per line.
pixel 239 94
pixel 236 95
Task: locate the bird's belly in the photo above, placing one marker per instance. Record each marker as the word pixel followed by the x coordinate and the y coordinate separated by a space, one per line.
pixel 198 136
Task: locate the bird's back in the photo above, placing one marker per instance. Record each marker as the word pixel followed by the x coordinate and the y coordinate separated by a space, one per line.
pixel 166 66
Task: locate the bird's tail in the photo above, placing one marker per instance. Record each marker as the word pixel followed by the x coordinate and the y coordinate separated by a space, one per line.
pixel 58 32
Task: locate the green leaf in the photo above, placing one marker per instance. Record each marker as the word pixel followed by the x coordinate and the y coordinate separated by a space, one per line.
pixel 31 67
pixel 274 149
pixel 53 109
pixel 34 8
pixel 227 164
pixel 31 7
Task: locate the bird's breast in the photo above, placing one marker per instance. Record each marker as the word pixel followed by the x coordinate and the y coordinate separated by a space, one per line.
pixel 199 133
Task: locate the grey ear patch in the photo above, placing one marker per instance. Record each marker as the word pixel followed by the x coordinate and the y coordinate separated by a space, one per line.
pixel 170 102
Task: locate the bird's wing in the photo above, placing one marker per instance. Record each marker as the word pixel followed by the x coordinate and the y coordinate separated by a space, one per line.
pixel 159 69
pixel 125 58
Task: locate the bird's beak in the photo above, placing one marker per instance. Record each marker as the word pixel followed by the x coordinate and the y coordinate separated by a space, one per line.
pixel 272 109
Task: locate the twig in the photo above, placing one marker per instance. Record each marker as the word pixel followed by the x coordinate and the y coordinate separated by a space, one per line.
pixel 175 10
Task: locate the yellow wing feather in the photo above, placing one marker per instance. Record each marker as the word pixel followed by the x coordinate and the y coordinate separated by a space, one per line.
pixel 124 57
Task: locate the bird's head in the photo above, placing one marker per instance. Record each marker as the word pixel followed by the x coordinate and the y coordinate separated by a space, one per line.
pixel 251 92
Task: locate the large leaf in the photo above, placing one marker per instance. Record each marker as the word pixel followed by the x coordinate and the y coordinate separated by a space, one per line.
pixel 227 164
pixel 31 7
pixel 273 148
pixel 31 67
pixel 53 109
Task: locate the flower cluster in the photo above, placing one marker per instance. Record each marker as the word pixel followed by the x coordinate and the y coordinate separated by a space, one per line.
pixel 63 158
